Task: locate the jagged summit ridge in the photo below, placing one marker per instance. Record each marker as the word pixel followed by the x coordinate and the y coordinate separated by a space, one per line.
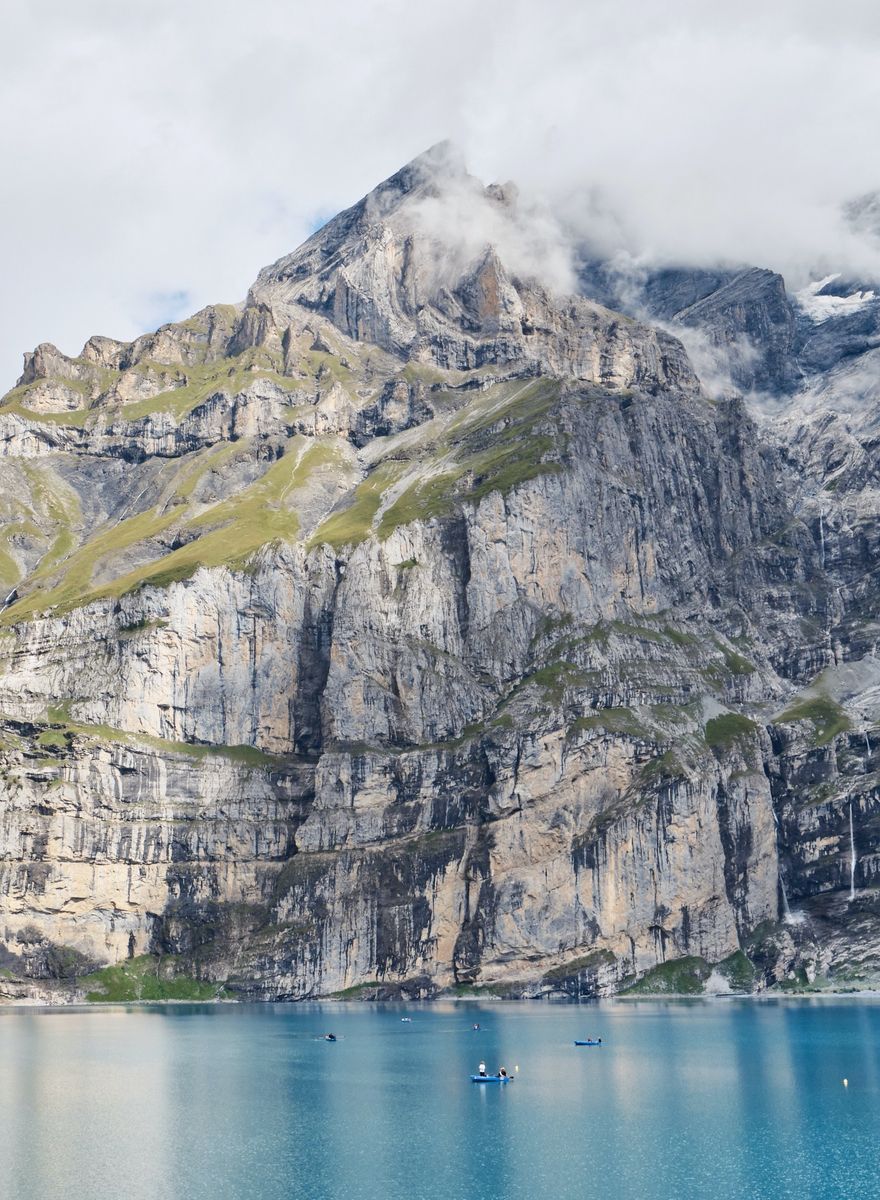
pixel 433 266
pixel 430 267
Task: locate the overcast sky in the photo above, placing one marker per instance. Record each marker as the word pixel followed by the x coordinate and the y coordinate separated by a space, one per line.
pixel 156 154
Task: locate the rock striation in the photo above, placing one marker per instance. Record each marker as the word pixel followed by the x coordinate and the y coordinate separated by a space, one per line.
pixel 418 626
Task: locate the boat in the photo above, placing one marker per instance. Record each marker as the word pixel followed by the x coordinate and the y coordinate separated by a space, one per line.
pixel 589 1042
pixel 329 1037
pixel 491 1079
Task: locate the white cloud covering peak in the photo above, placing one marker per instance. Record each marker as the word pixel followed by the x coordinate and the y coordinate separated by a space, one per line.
pixel 156 154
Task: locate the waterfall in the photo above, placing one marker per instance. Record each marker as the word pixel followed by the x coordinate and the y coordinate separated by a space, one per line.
pixel 852 858
pixel 786 911
pixel 821 541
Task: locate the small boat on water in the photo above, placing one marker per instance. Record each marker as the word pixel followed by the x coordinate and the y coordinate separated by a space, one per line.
pixel 329 1037
pixel 589 1042
pixel 500 1076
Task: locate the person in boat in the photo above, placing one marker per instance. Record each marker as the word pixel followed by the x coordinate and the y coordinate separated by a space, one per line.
pixel 329 1037
pixel 482 1070
pixel 475 1027
pixel 502 1074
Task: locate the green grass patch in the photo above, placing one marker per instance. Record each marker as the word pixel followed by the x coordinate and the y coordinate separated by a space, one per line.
pixel 475 990
pixel 359 991
pixel 75 584
pixel 725 731
pixel 826 716
pixel 494 447
pixel 739 971
pixel 422 500
pixel 554 680
pixel 675 714
pixel 799 982
pixel 236 528
pixel 53 738
pixel 588 962
pixel 610 720
pixel 248 756
pixel 146 978
pixel 144 625
pixel 60 505
pixel 423 373
pixel 679 977
pixel 9 570
pixel 666 766
pixel 678 637
pixel 226 376
pixel 735 663
pixel 208 460
pixel 353 524
pixel 640 632
pixel 14 403
pixel 489 446
pixel 318 364
pixel 182 386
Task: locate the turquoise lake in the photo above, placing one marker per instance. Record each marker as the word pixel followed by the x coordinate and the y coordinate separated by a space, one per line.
pixel 715 1099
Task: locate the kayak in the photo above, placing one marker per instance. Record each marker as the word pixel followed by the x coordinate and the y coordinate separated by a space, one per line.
pixel 590 1042
pixel 491 1079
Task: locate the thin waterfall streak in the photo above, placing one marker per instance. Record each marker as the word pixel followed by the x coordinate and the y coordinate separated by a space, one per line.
pixel 821 542
pixel 786 911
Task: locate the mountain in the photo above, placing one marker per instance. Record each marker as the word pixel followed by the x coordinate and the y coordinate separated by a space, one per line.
pixel 421 626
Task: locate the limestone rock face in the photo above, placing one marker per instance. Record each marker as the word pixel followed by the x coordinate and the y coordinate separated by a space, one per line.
pixel 420 624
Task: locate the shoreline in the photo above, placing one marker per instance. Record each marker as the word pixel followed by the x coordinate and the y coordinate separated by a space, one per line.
pixel 766 996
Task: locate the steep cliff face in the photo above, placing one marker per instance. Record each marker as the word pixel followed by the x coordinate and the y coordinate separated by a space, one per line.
pixel 413 626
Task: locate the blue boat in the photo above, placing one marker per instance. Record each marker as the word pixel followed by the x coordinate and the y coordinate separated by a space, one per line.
pixel 491 1079
pixel 590 1042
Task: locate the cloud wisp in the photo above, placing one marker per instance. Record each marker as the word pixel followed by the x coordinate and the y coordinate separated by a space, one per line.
pixel 153 149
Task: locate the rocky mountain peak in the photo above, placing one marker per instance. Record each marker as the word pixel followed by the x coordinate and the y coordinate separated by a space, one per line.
pixel 421 624
pixel 434 266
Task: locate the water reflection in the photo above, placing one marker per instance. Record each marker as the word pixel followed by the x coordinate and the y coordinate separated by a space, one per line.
pixel 722 1099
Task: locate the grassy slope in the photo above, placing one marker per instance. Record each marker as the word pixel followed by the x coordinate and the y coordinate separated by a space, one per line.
pixel 182 387
pixel 61 727
pixel 146 978
pixel 47 511
pixel 490 445
pixel 826 716
pixel 225 534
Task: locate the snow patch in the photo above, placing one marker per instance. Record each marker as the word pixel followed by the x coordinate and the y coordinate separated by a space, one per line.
pixel 822 308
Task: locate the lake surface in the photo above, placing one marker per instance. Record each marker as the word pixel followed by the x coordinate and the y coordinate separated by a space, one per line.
pixel 720 1099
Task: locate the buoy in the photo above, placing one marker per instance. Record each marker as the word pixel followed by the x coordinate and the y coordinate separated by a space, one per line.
pixel 846 1083
pixel 516 1068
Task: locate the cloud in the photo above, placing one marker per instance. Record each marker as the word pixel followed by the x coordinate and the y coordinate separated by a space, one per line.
pixel 153 148
pixel 459 219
